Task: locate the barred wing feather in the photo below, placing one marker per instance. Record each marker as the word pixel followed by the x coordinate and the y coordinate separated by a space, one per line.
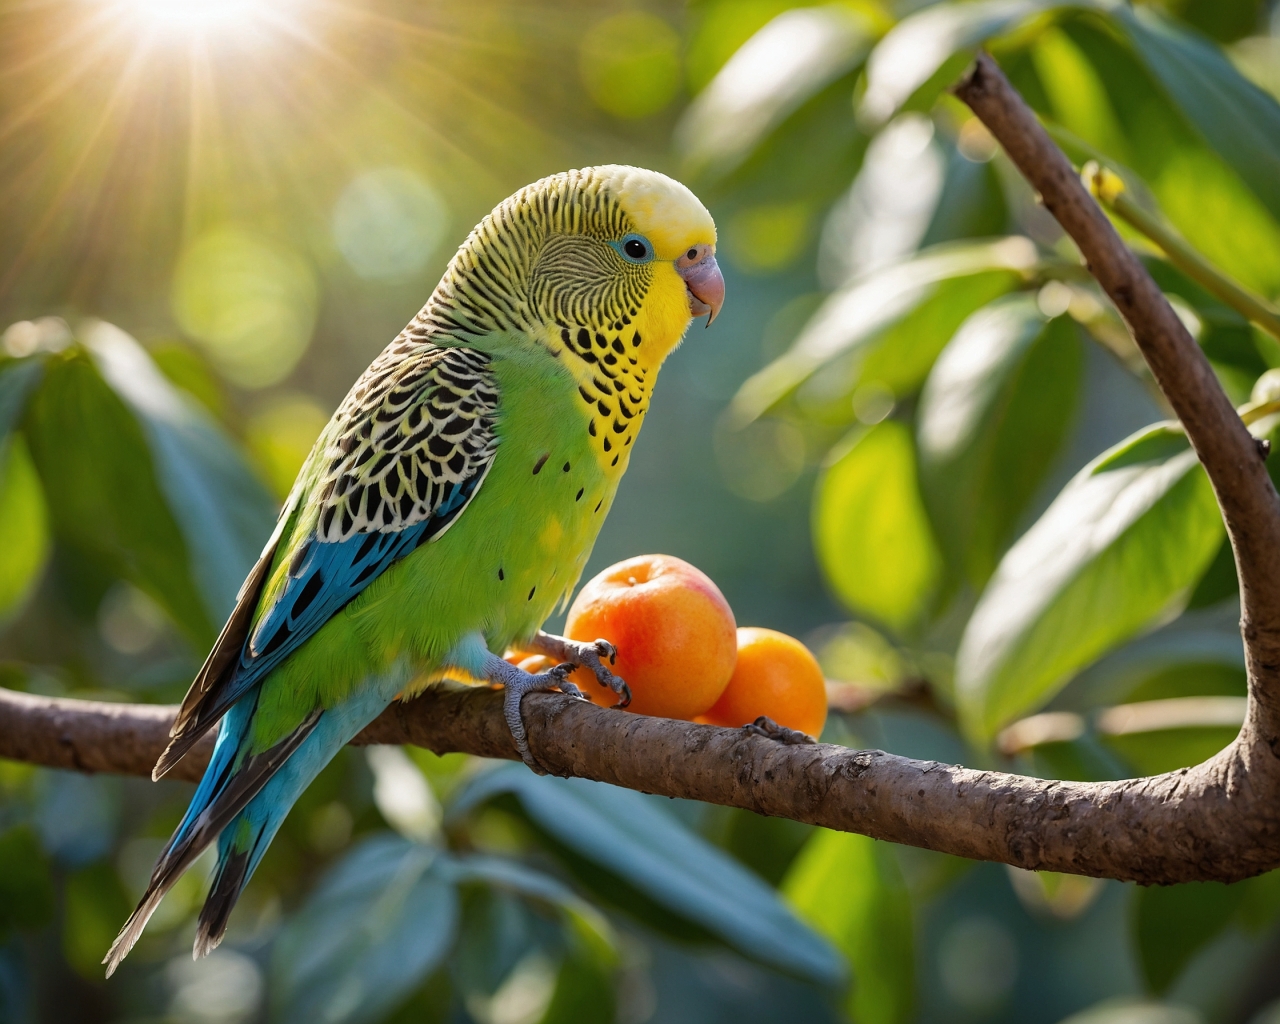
pixel 409 449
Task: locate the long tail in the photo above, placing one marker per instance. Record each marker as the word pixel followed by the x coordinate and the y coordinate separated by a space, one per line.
pixel 243 799
pixel 230 782
pixel 246 837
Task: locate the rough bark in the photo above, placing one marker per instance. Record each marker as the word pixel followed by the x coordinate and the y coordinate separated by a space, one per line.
pixel 1217 821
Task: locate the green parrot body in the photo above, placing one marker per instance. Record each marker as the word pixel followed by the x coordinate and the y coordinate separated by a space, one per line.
pixel 449 505
pixel 498 573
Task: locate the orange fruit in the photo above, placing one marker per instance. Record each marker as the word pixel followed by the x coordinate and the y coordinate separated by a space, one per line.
pixel 673 629
pixel 776 675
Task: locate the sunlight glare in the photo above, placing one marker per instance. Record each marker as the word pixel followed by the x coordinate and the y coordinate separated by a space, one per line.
pixel 197 17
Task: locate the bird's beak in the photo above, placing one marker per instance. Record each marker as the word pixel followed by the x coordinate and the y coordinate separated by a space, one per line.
pixel 705 284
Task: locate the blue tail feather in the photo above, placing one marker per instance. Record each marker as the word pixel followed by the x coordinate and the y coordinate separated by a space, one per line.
pixel 243 799
pixel 245 838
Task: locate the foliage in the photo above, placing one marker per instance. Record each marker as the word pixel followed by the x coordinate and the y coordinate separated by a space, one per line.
pixel 979 507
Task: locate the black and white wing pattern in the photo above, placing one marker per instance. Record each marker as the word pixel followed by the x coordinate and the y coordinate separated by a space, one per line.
pixel 406 452
pixel 408 439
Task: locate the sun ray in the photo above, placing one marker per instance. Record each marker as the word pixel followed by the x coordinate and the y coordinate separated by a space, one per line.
pixel 130 130
pixel 101 49
pixel 128 82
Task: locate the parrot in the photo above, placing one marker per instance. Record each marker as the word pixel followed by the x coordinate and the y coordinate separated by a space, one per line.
pixel 446 509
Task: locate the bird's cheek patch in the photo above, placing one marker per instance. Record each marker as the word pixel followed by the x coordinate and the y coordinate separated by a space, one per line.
pixel 666 311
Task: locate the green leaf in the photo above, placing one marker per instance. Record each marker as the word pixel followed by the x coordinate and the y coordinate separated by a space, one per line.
pixel 1119 547
pixel 223 510
pixel 1126 1011
pixel 992 415
pixel 898 360
pixel 1166 750
pixel 1261 905
pixel 18 377
pixel 765 844
pixel 93 905
pixel 1195 654
pixel 863 319
pixel 24 526
pixel 497 931
pixel 914 50
pixel 1220 581
pixel 902 357
pixel 629 837
pixel 1215 211
pixel 885 213
pixel 589 931
pixel 850 889
pixel 1226 336
pixel 102 490
pixel 1172 923
pixel 26 885
pixel 378 924
pixel 584 993
pixel 1168 733
pixel 1239 120
pixel 871 531
pixel 805 163
pixel 1077 94
pixel 789 60
pixel 497 936
pixel 717 28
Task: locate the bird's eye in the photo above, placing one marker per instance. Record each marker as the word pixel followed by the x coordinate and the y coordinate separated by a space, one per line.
pixel 634 249
pixel 692 254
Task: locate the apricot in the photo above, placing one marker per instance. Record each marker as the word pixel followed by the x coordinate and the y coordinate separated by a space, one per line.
pixel 673 629
pixel 775 675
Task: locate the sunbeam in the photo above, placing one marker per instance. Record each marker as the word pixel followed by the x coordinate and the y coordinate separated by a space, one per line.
pixel 131 129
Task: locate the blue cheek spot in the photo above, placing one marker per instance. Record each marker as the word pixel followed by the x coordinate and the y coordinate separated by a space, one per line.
pixel 634 248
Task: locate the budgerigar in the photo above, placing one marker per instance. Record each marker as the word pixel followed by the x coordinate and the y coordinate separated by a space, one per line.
pixel 448 506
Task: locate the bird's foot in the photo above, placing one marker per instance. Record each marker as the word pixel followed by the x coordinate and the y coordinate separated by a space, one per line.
pixel 589 655
pixel 516 682
pixel 771 730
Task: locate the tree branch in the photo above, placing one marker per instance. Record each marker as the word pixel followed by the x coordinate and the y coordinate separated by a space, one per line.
pixel 1217 821
pixel 1235 466
pixel 1184 826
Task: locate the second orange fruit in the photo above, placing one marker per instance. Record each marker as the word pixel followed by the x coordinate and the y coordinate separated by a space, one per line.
pixel 775 676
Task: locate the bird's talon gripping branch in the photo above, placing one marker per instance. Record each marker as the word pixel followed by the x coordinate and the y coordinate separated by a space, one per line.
pixel 771 730
pixel 586 655
pixel 516 682
pixel 571 690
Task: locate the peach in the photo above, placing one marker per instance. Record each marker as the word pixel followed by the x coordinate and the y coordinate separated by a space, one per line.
pixel 674 631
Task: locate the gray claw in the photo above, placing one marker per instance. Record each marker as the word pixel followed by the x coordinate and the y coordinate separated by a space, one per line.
pixel 591 656
pixel 771 730
pixel 516 682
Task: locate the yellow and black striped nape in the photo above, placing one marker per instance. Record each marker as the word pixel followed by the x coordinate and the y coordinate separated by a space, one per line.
pixel 541 261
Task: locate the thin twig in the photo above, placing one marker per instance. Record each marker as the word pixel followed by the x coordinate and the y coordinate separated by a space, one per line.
pixel 1109 189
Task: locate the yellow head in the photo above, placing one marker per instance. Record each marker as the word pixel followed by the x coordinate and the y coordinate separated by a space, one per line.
pixel 604 268
pixel 596 250
pixel 673 234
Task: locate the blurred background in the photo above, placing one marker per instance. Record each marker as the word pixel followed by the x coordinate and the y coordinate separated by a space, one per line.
pixel 215 213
